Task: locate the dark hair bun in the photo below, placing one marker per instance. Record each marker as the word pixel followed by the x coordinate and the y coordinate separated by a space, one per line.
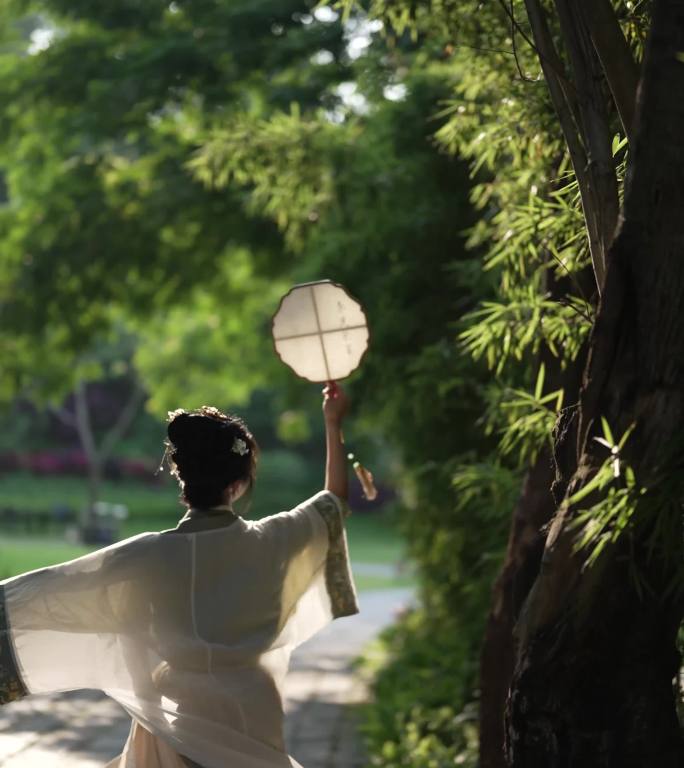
pixel 196 433
pixel 179 429
pixel 202 455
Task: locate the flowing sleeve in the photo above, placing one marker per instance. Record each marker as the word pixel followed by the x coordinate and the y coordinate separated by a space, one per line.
pixel 311 552
pixel 59 624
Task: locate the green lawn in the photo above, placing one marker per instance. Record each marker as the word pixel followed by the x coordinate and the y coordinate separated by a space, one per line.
pixel 19 554
pixel 284 480
pixel 371 540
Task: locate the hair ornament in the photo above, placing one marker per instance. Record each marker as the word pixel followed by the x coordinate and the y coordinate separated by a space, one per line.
pixel 239 446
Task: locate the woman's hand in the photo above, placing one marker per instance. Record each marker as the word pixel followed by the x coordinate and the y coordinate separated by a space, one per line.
pixel 335 403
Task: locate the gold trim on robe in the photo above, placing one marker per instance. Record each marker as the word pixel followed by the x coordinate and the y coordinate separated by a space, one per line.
pixel 338 577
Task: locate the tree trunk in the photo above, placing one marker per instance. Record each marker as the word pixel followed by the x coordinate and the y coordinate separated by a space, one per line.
pixel 97 457
pixel 535 508
pixel 87 438
pixel 521 565
pixel 533 511
pixel 593 682
pixel 94 491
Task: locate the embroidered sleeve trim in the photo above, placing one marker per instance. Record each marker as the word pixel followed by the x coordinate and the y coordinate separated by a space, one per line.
pixel 11 684
pixel 338 576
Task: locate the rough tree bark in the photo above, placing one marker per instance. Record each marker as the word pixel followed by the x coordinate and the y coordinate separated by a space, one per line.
pixel 593 683
pixel 533 511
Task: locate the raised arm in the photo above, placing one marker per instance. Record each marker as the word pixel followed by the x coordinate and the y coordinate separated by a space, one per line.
pixel 335 407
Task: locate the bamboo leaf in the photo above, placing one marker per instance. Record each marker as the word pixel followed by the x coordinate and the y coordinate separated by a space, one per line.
pixel 606 431
pixel 625 437
pixel 540 383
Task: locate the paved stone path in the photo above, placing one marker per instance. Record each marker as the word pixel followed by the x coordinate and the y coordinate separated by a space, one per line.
pixel 85 729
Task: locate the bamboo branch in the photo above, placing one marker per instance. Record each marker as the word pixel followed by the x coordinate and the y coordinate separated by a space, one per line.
pixel 552 66
pixel 508 10
pixel 514 27
pixel 563 100
pixel 599 195
pixel 569 115
pixel 621 70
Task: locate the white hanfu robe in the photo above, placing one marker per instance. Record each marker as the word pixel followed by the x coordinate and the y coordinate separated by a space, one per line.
pixel 191 632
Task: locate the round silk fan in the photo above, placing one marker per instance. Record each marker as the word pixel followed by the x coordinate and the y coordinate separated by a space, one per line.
pixel 320 332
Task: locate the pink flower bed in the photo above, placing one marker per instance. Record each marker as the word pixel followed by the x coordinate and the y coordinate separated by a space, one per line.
pixel 74 463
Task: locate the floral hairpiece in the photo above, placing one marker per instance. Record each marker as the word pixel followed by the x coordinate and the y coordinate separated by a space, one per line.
pixel 239 446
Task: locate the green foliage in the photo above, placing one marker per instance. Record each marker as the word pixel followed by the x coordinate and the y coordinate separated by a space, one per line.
pixel 459 542
pixel 101 208
pixel 613 505
pixel 211 355
pixel 525 323
pixel 279 161
pixel 415 672
pixel 523 420
pixel 606 520
pixel 293 427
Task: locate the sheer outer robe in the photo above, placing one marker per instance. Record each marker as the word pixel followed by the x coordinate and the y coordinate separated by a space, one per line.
pixel 190 632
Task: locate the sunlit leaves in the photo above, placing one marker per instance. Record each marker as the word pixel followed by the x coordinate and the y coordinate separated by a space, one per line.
pixel 604 522
pixel 283 163
pixel 499 332
pixel 522 420
pixel 617 492
pixel 544 232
